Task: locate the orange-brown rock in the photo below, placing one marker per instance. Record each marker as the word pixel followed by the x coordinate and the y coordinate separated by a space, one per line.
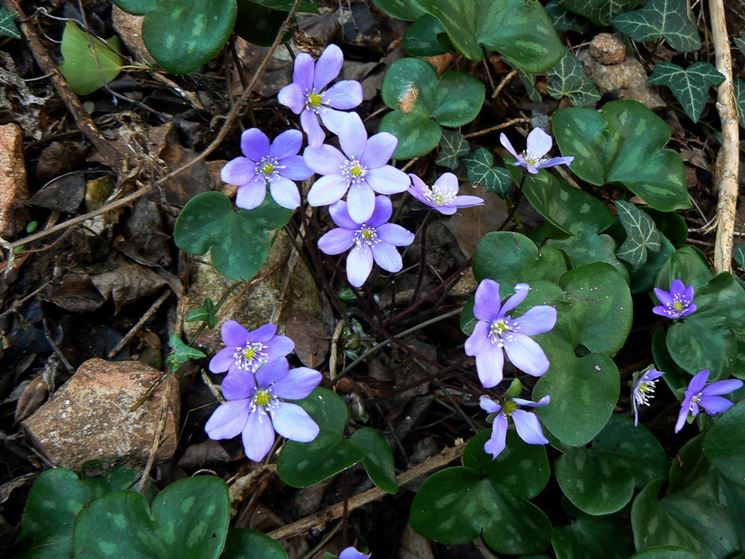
pixel 90 416
pixel 607 49
pixel 13 182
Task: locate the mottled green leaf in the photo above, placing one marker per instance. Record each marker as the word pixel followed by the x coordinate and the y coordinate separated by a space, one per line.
pixel 658 19
pixel 568 79
pixel 417 133
pixel 666 552
pixel 724 444
pixel 590 537
pixel 8 27
pixel 688 265
pixel 641 234
pixel 690 85
pixel 588 247
pixel 481 171
pixel 425 37
pixel 251 544
pixel 563 20
pixel 89 62
pixel 453 146
pixel 643 279
pixel 600 12
pixel 458 99
pixel 407 10
pixel 377 457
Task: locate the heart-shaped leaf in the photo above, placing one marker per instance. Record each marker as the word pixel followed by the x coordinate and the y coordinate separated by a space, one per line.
pixel 481 171
pixel 600 12
pixel 425 37
pixel 658 19
pixel 724 444
pixel 238 241
pixel 590 537
pixel 453 146
pixel 688 265
pixel 8 27
pixel 622 143
pixel 568 79
pixel 89 62
pixel 641 234
pixel 689 85
pixel 601 479
pixel 187 520
pixel 588 248
pixel 251 544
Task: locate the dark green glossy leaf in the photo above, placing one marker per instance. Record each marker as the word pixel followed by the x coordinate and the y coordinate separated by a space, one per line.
pixel 453 146
pixel 641 235
pixel 666 552
pixel 417 133
pixel 563 20
pixel 423 37
pixel 592 537
pixel 409 84
pixel 724 443
pixel 600 12
pixel 740 100
pixel 658 19
pixel 689 85
pixel 588 247
pixel 568 79
pixel 251 544
pixel 643 279
pixel 481 171
pixel 8 27
pixel 407 10
pixel 458 99
pixel 377 457
pixel 688 265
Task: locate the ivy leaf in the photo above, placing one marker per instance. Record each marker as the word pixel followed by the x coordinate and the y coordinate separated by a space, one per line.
pixel 563 19
pixel 739 255
pixel 453 145
pixel 8 25
pixel 568 79
pixel 661 18
pixel 740 42
pixel 689 85
pixel 479 165
pixel 600 12
pixel 181 353
pixel 641 235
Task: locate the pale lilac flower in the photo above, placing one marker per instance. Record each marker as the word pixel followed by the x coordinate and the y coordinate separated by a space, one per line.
pixel 307 94
pixel 496 330
pixel 249 350
pixel 676 303
pixel 443 196
pixel 362 169
pixel 708 397
pixel 526 423
pixel 375 239
pixel 255 407
pixel 643 391
pixel 352 553
pixel 276 165
pixel 534 157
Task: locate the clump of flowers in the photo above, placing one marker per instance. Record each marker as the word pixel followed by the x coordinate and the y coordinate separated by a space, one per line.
pixel 256 407
pixel 534 157
pixel 443 195
pixel 527 425
pixel 496 333
pixel 676 303
pixel 308 97
pixel 643 390
pixel 249 350
pixel 374 239
pixel 710 398
pixel 276 164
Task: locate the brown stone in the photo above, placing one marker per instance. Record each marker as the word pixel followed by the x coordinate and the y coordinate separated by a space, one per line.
pixel 607 49
pixel 90 416
pixel 13 183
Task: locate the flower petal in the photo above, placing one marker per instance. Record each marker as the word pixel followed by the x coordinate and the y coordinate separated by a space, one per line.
pixel 294 168
pixel 538 144
pixel 297 384
pixel 340 214
pixel 359 265
pixel 663 296
pixel 379 150
pixel 279 346
pixel 238 171
pixel 328 67
pixel 285 193
pixel 332 119
pixel 537 320
pixel 395 235
pixel 489 405
pixel 528 427
pixel 360 202
pixel 387 257
pixel 496 443
pixel 546 400
pixel 292 97
pixel 286 144
pixel 526 355
pixel 263 333
pixel 677 287
pixel 521 292
pixel 228 420
pixel 324 159
pixel 382 212
pixel 447 184
pixel 336 241
pixel 467 201
pixel 698 382
pixel 555 161
pixel 489 364
pixel 327 190
pixel 387 180
pixel 222 360
pixel 303 72
pixel 715 404
pixel 488 303
pixel 346 94
pixel 722 387
pixel 234 334
pixel 272 372
pixel 238 384
pixel 293 422
pixel 258 436
pixel 311 127
pixel 478 341
pixel 250 195
pixel 254 144
pixel 682 415
pixel 352 136
pixel 508 145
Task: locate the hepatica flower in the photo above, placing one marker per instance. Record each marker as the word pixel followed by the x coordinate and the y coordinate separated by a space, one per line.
pixel 643 391
pixel 534 157
pixel 443 196
pixel 374 239
pixel 526 423
pixel 352 553
pixel 248 350
pixel 496 331
pixel 707 397
pixel 361 169
pixel 263 164
pixel 256 407
pixel 308 97
pixel 676 303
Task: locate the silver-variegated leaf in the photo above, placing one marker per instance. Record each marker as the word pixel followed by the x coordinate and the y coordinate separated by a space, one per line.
pixel 690 86
pixel 568 79
pixel 641 234
pixel 600 12
pixel 453 146
pixel 658 19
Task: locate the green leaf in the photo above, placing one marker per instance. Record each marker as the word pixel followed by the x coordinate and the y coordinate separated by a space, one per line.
pixel 739 41
pixel 481 172
pixel 724 444
pixel 740 100
pixel 258 23
pixel 417 133
pixel 643 279
pixel 641 234
pixel 689 85
pixel 89 62
pixel 8 27
pixel 452 146
pixel 487 498
pixel 181 353
pixel 658 19
pixel 251 544
pixel 187 520
pixel 407 10
pixel 520 30
pixel 622 143
pixel 600 12
pixel 666 552
pixel 592 537
pixel 739 255
pixel 588 248
pixel 568 79
pixel 564 20
pixel 458 99
pixel 425 37
pixel 377 457
pixel 238 241
pixel 184 35
pixel 601 479
pixel 688 265
pixel 206 312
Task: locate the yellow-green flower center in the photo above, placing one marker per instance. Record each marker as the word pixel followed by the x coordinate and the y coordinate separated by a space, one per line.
pixel 356 171
pixel 249 353
pixel 509 407
pixel 267 169
pixel 262 398
pixel 678 306
pixel 314 100
pixel 499 327
pixel 367 234
pixel 438 199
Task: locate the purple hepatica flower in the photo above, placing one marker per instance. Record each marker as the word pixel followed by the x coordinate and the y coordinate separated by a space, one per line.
pixel 276 165
pixel 526 423
pixel 533 158
pixel 708 397
pixel 307 96
pixel 255 407
pixel 496 330
pixel 676 303
pixel 248 351
pixel 362 169
pixel 352 553
pixel 443 196
pixel 375 239
pixel 643 391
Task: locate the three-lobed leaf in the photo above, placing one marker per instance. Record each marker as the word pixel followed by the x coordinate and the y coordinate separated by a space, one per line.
pixel 658 19
pixel 453 146
pixel 690 85
pixel 641 235
pixel 482 172
pixel 568 79
pixel 8 27
pixel 600 12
